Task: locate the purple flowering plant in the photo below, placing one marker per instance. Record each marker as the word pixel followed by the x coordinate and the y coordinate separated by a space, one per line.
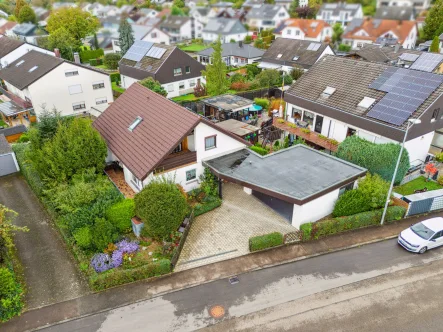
pixel 102 262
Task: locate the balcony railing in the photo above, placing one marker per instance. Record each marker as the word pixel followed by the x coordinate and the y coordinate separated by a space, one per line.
pixel 177 159
pixel 306 134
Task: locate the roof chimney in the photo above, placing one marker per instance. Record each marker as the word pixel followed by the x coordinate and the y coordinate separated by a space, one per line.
pixel 77 58
pixel 240 43
pixel 397 47
pixel 57 52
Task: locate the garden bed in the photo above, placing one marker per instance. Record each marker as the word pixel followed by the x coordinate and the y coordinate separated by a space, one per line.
pixel 419 183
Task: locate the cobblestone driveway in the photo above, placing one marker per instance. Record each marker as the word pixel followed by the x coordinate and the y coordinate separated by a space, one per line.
pixel 224 232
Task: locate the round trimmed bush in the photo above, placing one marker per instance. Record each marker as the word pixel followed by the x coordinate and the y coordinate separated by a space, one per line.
pixel 162 207
pixel 111 60
pixel 351 202
pixel 103 233
pixel 120 214
pixel 83 237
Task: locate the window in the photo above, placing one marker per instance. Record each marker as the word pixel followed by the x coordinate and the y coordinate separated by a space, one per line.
pixel 78 106
pixel 344 189
pixel 288 32
pixel 154 35
pixel 297 113
pixel 281 14
pixel 191 83
pixel 297 32
pixel 75 89
pixel 308 117
pixel 191 174
pixel 177 71
pixel 135 123
pixel 102 100
pixel 279 56
pixel 179 148
pixel 437 235
pixel 366 102
pixel 136 181
pixel 19 63
pixel 188 69
pixel 116 43
pixel 32 69
pixel 435 114
pixel 295 58
pixel 170 87
pixel 72 72
pixel 210 142
pixel 328 92
pixel 98 85
pixel 181 85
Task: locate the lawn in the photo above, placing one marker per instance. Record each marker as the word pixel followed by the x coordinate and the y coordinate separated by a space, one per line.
pixel 3 124
pixel 188 97
pixel 194 47
pixel 417 184
pixel 117 88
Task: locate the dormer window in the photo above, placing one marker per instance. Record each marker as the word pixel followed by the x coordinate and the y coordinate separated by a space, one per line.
pixel 366 102
pixel 134 124
pixel 328 92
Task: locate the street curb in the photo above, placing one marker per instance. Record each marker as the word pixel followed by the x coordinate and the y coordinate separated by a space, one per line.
pixel 219 278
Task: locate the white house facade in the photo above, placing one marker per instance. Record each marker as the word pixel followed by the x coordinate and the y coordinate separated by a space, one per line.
pixel 266 17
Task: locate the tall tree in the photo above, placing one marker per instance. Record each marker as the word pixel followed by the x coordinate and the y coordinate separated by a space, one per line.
pixel 215 73
pixel 293 8
pixel 434 21
pixel 178 3
pixel 126 35
pixel 65 42
pixel 435 45
pixel 337 31
pixel 18 6
pixel 78 23
pixel 26 15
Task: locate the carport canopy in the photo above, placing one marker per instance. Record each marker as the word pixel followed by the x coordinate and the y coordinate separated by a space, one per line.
pixel 296 175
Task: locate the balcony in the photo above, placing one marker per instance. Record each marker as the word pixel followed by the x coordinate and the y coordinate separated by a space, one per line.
pixel 175 160
pixel 16 99
pixel 309 136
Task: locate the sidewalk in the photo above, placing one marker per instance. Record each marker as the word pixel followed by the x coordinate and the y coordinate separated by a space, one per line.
pixel 144 290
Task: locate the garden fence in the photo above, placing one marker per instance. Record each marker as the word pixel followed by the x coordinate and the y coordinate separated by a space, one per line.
pixel 177 252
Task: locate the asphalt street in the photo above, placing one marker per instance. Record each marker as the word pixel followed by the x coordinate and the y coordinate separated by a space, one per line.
pixel 362 280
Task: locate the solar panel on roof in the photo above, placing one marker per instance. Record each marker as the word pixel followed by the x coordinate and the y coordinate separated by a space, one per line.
pixel 138 50
pixel 409 57
pixel 427 62
pixel 156 52
pixel 406 91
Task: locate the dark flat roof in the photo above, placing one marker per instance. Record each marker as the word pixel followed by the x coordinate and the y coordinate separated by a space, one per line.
pixel 297 174
pixel 4 145
pixel 228 102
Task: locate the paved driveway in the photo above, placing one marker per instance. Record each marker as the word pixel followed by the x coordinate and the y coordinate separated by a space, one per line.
pixel 49 270
pixel 223 233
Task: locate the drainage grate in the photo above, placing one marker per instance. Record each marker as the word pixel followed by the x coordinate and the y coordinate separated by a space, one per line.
pixel 234 280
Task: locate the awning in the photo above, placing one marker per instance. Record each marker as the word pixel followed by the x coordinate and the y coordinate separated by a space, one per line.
pixel 268 65
pixel 10 109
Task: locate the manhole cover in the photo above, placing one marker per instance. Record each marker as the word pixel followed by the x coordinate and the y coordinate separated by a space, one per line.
pixel 234 280
pixel 217 311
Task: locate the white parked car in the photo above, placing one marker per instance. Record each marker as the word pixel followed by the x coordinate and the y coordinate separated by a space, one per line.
pixel 422 236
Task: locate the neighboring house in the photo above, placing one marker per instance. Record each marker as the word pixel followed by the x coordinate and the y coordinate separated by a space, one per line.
pixel 340 12
pixel 150 136
pixel 386 54
pixel 248 4
pixel 419 5
pixel 12 49
pixel 427 44
pixel 6 27
pixel 181 28
pixel 286 54
pixel 238 14
pixel 29 32
pixel 266 17
pixel 304 29
pixel 8 161
pixel 200 14
pixel 287 3
pixel 228 29
pixel 234 54
pixel 42 80
pixel 176 71
pixel 370 31
pixel 301 184
pixel 3 14
pixel 150 33
pixel 339 97
pixel 59 5
pixel 395 13
pixel 148 12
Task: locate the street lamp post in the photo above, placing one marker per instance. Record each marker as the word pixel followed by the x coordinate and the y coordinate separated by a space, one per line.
pixel 411 122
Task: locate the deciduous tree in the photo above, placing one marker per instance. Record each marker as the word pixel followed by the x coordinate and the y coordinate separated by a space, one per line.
pixel 434 21
pixel 154 85
pixel 337 31
pixel 19 4
pixel 65 42
pixel 26 15
pixel 215 73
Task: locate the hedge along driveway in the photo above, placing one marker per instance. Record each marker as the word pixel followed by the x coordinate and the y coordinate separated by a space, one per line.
pixel 50 273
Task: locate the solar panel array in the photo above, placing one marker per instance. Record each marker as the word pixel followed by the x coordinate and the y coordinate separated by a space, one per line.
pixel 138 50
pixel 427 62
pixel 406 91
pixel 313 47
pixel 409 57
pixel 156 52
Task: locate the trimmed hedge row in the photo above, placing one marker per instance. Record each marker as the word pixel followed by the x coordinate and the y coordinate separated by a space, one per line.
pixel 26 168
pixel 87 55
pixel 199 209
pixel 265 241
pixel 96 62
pixel 320 229
pixel 115 77
pixel 115 277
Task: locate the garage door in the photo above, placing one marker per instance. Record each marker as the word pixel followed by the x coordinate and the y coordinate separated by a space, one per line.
pixel 7 164
pixel 281 207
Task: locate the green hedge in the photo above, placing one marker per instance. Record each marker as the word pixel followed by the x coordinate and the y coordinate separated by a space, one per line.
pixel 87 55
pixel 119 276
pixel 199 209
pixel 265 241
pixel 26 168
pixel 115 77
pixel 319 229
pixel 96 62
pixel 259 150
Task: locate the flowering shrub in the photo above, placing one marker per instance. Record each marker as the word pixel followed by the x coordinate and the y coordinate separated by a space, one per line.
pixel 101 262
pixel 127 247
pixel 240 86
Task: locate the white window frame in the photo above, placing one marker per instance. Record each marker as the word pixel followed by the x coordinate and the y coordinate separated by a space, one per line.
pixel 101 100
pixel 176 73
pixel 192 83
pixel 71 72
pixel 98 85
pixel 75 89
pixel 181 85
pixel 170 87
pixel 80 103
pixel 192 178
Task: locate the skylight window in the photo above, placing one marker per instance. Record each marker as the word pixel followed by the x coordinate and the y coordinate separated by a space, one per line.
pixel 366 102
pixel 279 56
pixel 32 69
pixel 134 124
pixel 295 58
pixel 328 92
pixel 19 63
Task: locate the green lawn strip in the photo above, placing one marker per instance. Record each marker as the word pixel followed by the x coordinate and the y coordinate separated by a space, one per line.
pixel 117 88
pixel 417 184
pixel 194 47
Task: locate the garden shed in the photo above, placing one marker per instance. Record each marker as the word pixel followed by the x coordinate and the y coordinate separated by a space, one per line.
pixel 8 162
pixel 227 106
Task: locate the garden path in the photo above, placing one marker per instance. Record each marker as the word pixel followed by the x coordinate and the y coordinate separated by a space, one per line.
pixel 50 273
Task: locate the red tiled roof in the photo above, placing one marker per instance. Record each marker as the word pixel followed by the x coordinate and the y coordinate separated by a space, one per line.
pixel 7 26
pixel 165 124
pixel 311 28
